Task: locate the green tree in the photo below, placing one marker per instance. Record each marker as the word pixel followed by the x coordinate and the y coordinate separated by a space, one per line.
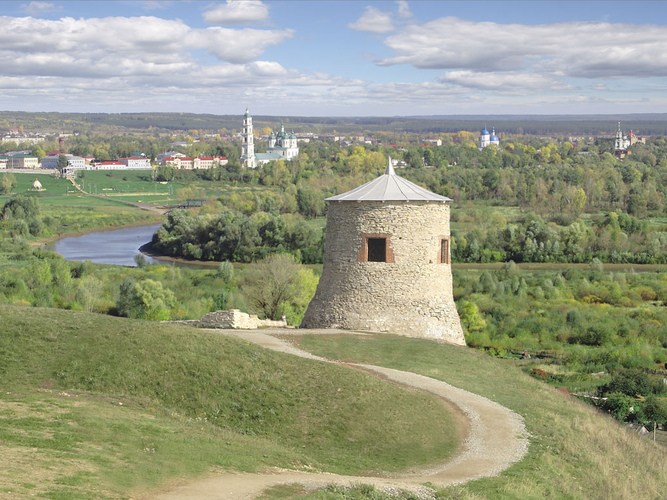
pixel 90 289
pixel 37 151
pixel 147 299
pixel 38 274
pixel 470 317
pixel 225 271
pixel 21 207
pixel 619 405
pixel 7 184
pixel 62 161
pixel 653 412
pixel 311 202
pixel 271 284
pixel 141 261
pixel 305 286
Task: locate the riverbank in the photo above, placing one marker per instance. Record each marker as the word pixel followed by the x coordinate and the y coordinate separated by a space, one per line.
pixel 147 250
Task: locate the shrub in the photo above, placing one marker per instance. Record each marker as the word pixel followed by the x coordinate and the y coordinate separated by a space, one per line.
pixel 595 336
pixel 620 405
pixel 630 382
pixel 653 410
pixel 220 301
pixel 225 271
pixel 145 300
pixel 470 317
pixel 141 261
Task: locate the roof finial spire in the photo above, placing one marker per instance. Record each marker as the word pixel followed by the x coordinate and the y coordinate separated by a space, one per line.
pixel 390 167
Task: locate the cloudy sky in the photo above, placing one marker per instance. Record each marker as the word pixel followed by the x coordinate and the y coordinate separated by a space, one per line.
pixel 334 58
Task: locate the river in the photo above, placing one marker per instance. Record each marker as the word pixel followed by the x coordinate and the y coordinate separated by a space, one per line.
pixel 108 247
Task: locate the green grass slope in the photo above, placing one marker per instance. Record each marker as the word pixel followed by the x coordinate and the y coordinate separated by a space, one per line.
pixel 94 406
pixel 575 451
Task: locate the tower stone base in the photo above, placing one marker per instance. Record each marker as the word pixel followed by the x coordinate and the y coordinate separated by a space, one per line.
pixel 408 294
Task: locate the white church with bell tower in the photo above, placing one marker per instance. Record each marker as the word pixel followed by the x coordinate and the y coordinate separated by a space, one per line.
pixel 282 146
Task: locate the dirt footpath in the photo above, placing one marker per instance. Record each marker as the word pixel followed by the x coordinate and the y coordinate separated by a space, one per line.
pixel 496 440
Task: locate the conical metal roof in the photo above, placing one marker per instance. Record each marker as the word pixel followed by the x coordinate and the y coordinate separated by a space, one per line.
pixel 389 187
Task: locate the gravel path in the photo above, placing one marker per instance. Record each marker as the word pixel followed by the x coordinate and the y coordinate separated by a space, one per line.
pixel 496 440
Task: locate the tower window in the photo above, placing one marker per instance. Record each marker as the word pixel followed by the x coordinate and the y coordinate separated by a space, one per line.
pixel 376 247
pixel 443 257
pixel 377 250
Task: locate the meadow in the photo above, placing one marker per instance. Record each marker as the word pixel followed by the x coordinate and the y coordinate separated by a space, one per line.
pixel 95 406
pixel 98 406
pixel 575 452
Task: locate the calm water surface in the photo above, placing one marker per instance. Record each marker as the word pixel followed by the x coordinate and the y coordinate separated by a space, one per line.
pixel 107 247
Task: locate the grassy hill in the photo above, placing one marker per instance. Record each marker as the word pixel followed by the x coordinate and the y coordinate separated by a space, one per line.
pixel 575 451
pixel 100 407
pixel 94 406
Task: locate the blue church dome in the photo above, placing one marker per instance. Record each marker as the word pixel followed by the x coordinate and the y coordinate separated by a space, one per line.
pixel 485 132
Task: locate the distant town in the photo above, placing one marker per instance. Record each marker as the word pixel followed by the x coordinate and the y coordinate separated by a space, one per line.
pixel 282 145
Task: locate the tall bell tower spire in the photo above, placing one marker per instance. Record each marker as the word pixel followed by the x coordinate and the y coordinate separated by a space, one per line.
pixel 248 147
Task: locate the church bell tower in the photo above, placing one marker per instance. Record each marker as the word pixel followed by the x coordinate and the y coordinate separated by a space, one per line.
pixel 248 147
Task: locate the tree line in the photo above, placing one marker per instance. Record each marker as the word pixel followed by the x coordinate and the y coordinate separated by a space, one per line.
pixel 234 236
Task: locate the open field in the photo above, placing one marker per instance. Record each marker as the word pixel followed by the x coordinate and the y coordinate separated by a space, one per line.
pixel 137 185
pixel 129 185
pixel 53 186
pixel 575 452
pixel 96 406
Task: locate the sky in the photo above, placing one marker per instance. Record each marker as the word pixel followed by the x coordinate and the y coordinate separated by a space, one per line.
pixel 334 58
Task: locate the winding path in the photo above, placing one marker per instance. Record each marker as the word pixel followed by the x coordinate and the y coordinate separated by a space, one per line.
pixel 496 440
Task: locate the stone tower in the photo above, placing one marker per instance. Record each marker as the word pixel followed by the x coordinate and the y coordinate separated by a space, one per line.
pixel 387 263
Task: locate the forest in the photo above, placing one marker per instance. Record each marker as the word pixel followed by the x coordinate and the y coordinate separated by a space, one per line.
pixel 530 201
pixel 556 125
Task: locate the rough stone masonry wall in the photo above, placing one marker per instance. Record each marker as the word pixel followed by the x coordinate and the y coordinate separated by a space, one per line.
pixel 234 318
pixel 411 296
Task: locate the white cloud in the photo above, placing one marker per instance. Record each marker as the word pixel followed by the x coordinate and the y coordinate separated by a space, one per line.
pixel 150 63
pixel 373 21
pixel 38 8
pixel 236 45
pixel 142 61
pixel 403 9
pixel 575 49
pixel 121 45
pixel 237 12
pixel 513 82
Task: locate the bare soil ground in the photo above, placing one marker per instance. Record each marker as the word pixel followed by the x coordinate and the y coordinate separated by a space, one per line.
pixel 497 438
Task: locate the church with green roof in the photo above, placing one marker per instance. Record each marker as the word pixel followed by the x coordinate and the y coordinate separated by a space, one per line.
pixel 282 146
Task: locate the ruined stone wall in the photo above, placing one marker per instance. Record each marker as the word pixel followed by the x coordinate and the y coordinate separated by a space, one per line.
pixel 234 318
pixel 410 296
